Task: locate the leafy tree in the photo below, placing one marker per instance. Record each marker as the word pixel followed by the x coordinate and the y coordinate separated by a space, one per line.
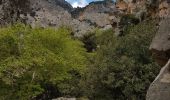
pixel 37 62
pixel 122 67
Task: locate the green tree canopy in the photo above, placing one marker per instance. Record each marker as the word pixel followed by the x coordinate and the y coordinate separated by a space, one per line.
pixel 31 59
pixel 122 67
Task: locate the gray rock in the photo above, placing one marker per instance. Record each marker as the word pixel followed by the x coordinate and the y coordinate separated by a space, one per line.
pixel 161 43
pixel 56 13
pixel 43 13
pixel 97 13
pixel 160 88
pixel 160 47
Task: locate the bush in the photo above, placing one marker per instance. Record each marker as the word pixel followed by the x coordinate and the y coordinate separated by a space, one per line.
pixel 34 60
pixel 126 22
pixel 122 67
pixel 89 41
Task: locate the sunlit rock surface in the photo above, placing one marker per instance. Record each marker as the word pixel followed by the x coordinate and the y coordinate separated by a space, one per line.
pixel 56 13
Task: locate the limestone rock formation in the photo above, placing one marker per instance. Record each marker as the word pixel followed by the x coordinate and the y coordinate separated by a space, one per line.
pixel 98 13
pixel 137 8
pixel 161 43
pixel 11 9
pixel 160 88
pixel 160 47
pixel 51 13
pixel 163 9
pixel 56 13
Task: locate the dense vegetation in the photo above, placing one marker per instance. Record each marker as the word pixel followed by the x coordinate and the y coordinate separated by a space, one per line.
pixel 35 62
pixel 41 64
pixel 122 67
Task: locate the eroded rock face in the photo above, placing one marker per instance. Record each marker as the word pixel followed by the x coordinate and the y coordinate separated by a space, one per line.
pixel 160 47
pixel 11 9
pixel 56 13
pixel 48 13
pixel 43 13
pixel 98 14
pixel 160 88
pixel 161 43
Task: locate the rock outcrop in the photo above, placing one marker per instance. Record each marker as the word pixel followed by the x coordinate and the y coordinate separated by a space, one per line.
pixel 43 13
pixel 10 10
pixel 98 13
pixel 160 47
pixel 56 13
pixel 160 88
pixel 138 8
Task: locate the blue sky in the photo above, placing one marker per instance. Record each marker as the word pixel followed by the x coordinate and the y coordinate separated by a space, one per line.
pixel 80 3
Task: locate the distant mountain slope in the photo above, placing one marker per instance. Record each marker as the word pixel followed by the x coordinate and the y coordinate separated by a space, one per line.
pixel 99 13
pixel 64 4
pixel 56 13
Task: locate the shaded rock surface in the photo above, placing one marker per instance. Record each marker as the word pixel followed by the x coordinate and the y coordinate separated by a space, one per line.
pixel 161 43
pixel 160 47
pixel 160 88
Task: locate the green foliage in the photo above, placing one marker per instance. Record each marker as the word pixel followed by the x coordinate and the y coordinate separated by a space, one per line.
pixel 46 63
pixel 89 41
pixel 31 59
pixel 122 68
pixel 127 21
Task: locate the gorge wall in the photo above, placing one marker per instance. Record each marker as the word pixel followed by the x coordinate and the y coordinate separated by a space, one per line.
pixel 160 47
pixel 56 13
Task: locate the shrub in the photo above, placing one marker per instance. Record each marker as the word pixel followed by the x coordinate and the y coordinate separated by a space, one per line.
pixel 126 22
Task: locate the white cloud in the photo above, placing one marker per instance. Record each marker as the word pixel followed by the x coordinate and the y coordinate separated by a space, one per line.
pixel 80 3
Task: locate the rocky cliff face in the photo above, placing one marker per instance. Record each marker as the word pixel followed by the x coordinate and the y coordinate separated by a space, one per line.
pixel 140 8
pixel 11 9
pixel 160 47
pixel 56 13
pixel 98 13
